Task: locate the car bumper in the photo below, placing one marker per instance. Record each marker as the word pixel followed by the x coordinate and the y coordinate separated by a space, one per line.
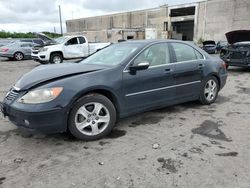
pixel 6 55
pixel 40 57
pixel 53 121
pixel 238 62
pixel 223 80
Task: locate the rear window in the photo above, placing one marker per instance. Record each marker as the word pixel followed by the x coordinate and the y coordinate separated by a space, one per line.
pixel 185 52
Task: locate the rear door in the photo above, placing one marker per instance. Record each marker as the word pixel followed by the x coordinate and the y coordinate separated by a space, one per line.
pixel 83 47
pixel 26 49
pixel 153 86
pixel 189 65
pixel 72 48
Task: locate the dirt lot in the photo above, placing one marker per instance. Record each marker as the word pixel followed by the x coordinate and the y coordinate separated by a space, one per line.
pixel 187 145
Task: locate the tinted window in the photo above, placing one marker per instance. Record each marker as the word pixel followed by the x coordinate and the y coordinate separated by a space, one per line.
pixel 38 41
pixel 185 52
pixel 25 45
pixel 72 41
pixel 157 54
pixel 25 40
pixel 81 40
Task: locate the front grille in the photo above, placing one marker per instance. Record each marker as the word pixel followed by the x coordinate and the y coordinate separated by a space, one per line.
pixel 11 95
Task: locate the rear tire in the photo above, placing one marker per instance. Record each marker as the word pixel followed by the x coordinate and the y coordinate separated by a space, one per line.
pixel 56 58
pixel 92 117
pixel 18 56
pixel 209 90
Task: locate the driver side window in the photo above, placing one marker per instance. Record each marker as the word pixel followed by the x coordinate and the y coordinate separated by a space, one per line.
pixel 72 41
pixel 157 54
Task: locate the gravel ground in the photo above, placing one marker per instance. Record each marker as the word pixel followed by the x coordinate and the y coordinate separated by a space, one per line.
pixel 187 145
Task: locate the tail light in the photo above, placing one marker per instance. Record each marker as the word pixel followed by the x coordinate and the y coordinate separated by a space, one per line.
pixel 224 65
pixel 5 49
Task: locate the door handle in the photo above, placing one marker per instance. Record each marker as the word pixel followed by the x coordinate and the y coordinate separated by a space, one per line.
pixel 168 70
pixel 201 66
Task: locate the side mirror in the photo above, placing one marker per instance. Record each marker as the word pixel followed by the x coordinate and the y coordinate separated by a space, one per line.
pixel 139 66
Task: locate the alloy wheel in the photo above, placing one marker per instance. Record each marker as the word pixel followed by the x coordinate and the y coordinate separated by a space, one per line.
pixel 18 56
pixel 210 90
pixel 92 118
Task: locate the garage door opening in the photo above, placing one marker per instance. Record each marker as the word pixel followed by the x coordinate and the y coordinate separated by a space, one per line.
pixel 183 30
pixel 182 22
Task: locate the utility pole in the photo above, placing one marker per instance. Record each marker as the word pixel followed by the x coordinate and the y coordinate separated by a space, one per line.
pixel 60 16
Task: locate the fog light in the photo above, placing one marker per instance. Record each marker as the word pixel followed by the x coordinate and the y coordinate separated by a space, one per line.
pixel 26 122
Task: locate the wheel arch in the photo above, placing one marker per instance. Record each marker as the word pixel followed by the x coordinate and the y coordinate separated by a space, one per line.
pixel 56 52
pixel 102 91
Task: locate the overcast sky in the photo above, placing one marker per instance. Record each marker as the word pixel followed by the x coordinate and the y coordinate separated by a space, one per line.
pixel 42 15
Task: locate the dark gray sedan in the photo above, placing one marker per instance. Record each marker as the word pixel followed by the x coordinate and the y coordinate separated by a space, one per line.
pixel 87 98
pixel 17 50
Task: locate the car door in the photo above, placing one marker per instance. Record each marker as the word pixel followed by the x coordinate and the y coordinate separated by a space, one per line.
pixel 26 49
pixel 83 46
pixel 189 65
pixel 72 49
pixel 153 86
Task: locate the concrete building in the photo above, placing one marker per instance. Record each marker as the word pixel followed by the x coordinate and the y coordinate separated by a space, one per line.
pixel 204 20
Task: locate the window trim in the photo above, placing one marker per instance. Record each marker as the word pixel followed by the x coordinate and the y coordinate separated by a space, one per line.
pixel 174 55
pixel 143 49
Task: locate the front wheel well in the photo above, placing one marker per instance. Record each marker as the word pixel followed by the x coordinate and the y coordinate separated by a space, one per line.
pixel 105 93
pixel 56 52
pixel 109 95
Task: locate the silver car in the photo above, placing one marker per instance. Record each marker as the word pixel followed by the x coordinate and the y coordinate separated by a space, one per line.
pixel 17 50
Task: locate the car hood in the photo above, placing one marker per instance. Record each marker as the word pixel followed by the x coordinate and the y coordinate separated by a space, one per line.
pixel 208 42
pixel 45 73
pixel 238 36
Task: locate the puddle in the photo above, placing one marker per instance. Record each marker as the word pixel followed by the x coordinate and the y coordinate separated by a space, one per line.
pixel 229 154
pixel 211 129
pixel 169 164
pixel 146 120
pixel 115 133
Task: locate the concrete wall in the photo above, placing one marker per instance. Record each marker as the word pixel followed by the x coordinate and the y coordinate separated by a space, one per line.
pixel 217 17
pixel 212 19
pixel 110 28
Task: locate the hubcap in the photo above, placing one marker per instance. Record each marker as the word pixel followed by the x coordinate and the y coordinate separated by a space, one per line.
pixel 210 90
pixel 19 56
pixel 57 60
pixel 92 118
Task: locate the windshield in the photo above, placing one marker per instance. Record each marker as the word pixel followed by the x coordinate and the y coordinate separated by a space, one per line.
pixel 60 40
pixel 112 55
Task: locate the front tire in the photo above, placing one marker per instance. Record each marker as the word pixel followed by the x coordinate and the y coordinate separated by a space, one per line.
pixel 56 58
pixel 209 90
pixel 92 117
pixel 18 56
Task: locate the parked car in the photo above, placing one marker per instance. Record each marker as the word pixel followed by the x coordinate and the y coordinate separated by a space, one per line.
pixel 220 45
pixel 38 42
pixel 66 47
pixel 17 50
pixel 209 46
pixel 237 53
pixel 123 79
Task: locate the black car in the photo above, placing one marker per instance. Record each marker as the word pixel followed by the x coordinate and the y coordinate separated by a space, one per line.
pixel 237 53
pixel 220 45
pixel 209 46
pixel 87 98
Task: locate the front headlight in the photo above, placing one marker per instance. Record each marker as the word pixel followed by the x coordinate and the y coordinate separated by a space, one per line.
pixel 43 49
pixel 41 95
